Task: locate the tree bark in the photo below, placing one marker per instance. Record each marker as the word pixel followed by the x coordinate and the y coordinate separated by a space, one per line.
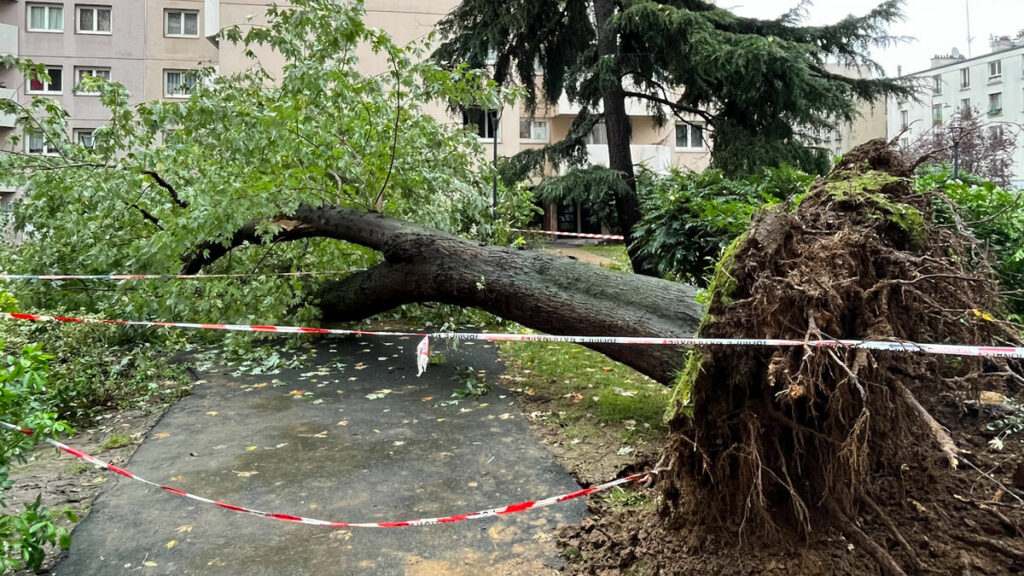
pixel 620 157
pixel 549 293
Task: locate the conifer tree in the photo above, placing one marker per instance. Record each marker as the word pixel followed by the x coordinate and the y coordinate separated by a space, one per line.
pixel 751 81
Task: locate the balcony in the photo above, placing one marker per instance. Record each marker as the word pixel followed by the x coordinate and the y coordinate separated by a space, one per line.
pixel 6 120
pixel 634 107
pixel 657 158
pixel 8 39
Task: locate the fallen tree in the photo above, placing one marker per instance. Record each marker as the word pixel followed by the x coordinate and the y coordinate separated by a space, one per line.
pixel 548 293
pixel 794 454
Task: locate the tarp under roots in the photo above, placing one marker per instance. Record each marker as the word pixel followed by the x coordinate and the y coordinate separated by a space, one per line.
pixel 832 459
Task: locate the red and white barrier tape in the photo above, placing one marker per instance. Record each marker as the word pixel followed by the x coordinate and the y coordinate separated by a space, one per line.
pixel 573 234
pixel 510 509
pixel 163 276
pixel 886 345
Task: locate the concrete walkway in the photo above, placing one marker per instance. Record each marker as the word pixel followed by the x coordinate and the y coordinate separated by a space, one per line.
pixel 355 436
pixel 571 250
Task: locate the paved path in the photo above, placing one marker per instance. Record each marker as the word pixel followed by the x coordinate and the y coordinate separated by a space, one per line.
pixel 355 436
pixel 573 250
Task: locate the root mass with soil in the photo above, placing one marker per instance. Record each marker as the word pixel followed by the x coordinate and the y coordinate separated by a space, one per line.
pixel 833 460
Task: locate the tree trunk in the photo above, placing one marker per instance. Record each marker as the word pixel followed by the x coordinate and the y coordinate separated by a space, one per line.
pixel 553 294
pixel 617 125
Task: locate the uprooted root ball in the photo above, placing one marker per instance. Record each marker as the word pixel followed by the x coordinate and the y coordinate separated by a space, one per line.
pixel 828 452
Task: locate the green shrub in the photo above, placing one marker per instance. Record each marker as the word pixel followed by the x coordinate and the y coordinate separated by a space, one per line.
pixel 689 218
pixel 24 402
pixel 993 215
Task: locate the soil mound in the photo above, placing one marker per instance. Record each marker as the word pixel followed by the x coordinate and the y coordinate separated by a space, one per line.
pixel 836 461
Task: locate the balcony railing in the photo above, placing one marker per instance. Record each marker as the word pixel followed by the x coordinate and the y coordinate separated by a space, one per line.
pixel 6 120
pixel 8 39
pixel 657 158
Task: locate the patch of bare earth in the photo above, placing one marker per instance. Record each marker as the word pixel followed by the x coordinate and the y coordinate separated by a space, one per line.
pixel 62 480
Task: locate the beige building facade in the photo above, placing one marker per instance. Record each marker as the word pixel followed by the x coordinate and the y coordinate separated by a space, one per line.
pixel 150 45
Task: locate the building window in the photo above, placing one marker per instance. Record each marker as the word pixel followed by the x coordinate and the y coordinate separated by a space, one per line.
pixel 178 83
pixel 54 86
pixel 484 122
pixel 995 69
pixel 689 136
pixel 36 143
pixel 93 19
pixel 937 84
pixel 904 119
pixel 905 143
pixel 181 23
pixel 45 18
pixel 82 73
pixel 995 104
pixel 965 77
pixel 84 137
pixel 995 132
pixel 533 130
pixel 965 104
pixel 936 113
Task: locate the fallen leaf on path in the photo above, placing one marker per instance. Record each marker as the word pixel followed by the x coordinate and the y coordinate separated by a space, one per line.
pixel 343 423
pixel 184 529
pixel 297 392
pixel 317 435
pixel 172 544
pixel 246 474
pixel 250 448
pixel 150 564
pixel 606 368
pixel 626 393
pixel 211 413
pixel 176 478
pixel 160 435
pixel 426 399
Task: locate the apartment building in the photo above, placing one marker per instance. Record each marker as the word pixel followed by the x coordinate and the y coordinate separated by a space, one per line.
pixel 149 45
pixel 510 130
pixel 992 83
pixel 145 45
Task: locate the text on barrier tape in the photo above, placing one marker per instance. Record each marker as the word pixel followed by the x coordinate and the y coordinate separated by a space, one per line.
pixel 884 345
pixel 500 511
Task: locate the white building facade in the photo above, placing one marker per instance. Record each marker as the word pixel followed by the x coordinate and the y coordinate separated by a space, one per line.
pixel 993 84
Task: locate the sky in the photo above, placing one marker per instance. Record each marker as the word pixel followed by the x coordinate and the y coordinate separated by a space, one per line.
pixel 936 26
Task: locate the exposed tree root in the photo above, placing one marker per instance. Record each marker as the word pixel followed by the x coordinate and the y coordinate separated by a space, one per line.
pixel 1016 553
pixel 940 434
pixel 885 562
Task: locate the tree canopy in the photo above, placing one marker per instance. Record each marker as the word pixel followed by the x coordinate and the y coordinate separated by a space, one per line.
pixel 753 82
pixel 164 178
pixel 974 146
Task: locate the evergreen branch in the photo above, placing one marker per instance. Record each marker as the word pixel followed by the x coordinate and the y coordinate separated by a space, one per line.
pixel 675 106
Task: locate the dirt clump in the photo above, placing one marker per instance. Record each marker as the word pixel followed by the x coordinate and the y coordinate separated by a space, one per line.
pixel 832 460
